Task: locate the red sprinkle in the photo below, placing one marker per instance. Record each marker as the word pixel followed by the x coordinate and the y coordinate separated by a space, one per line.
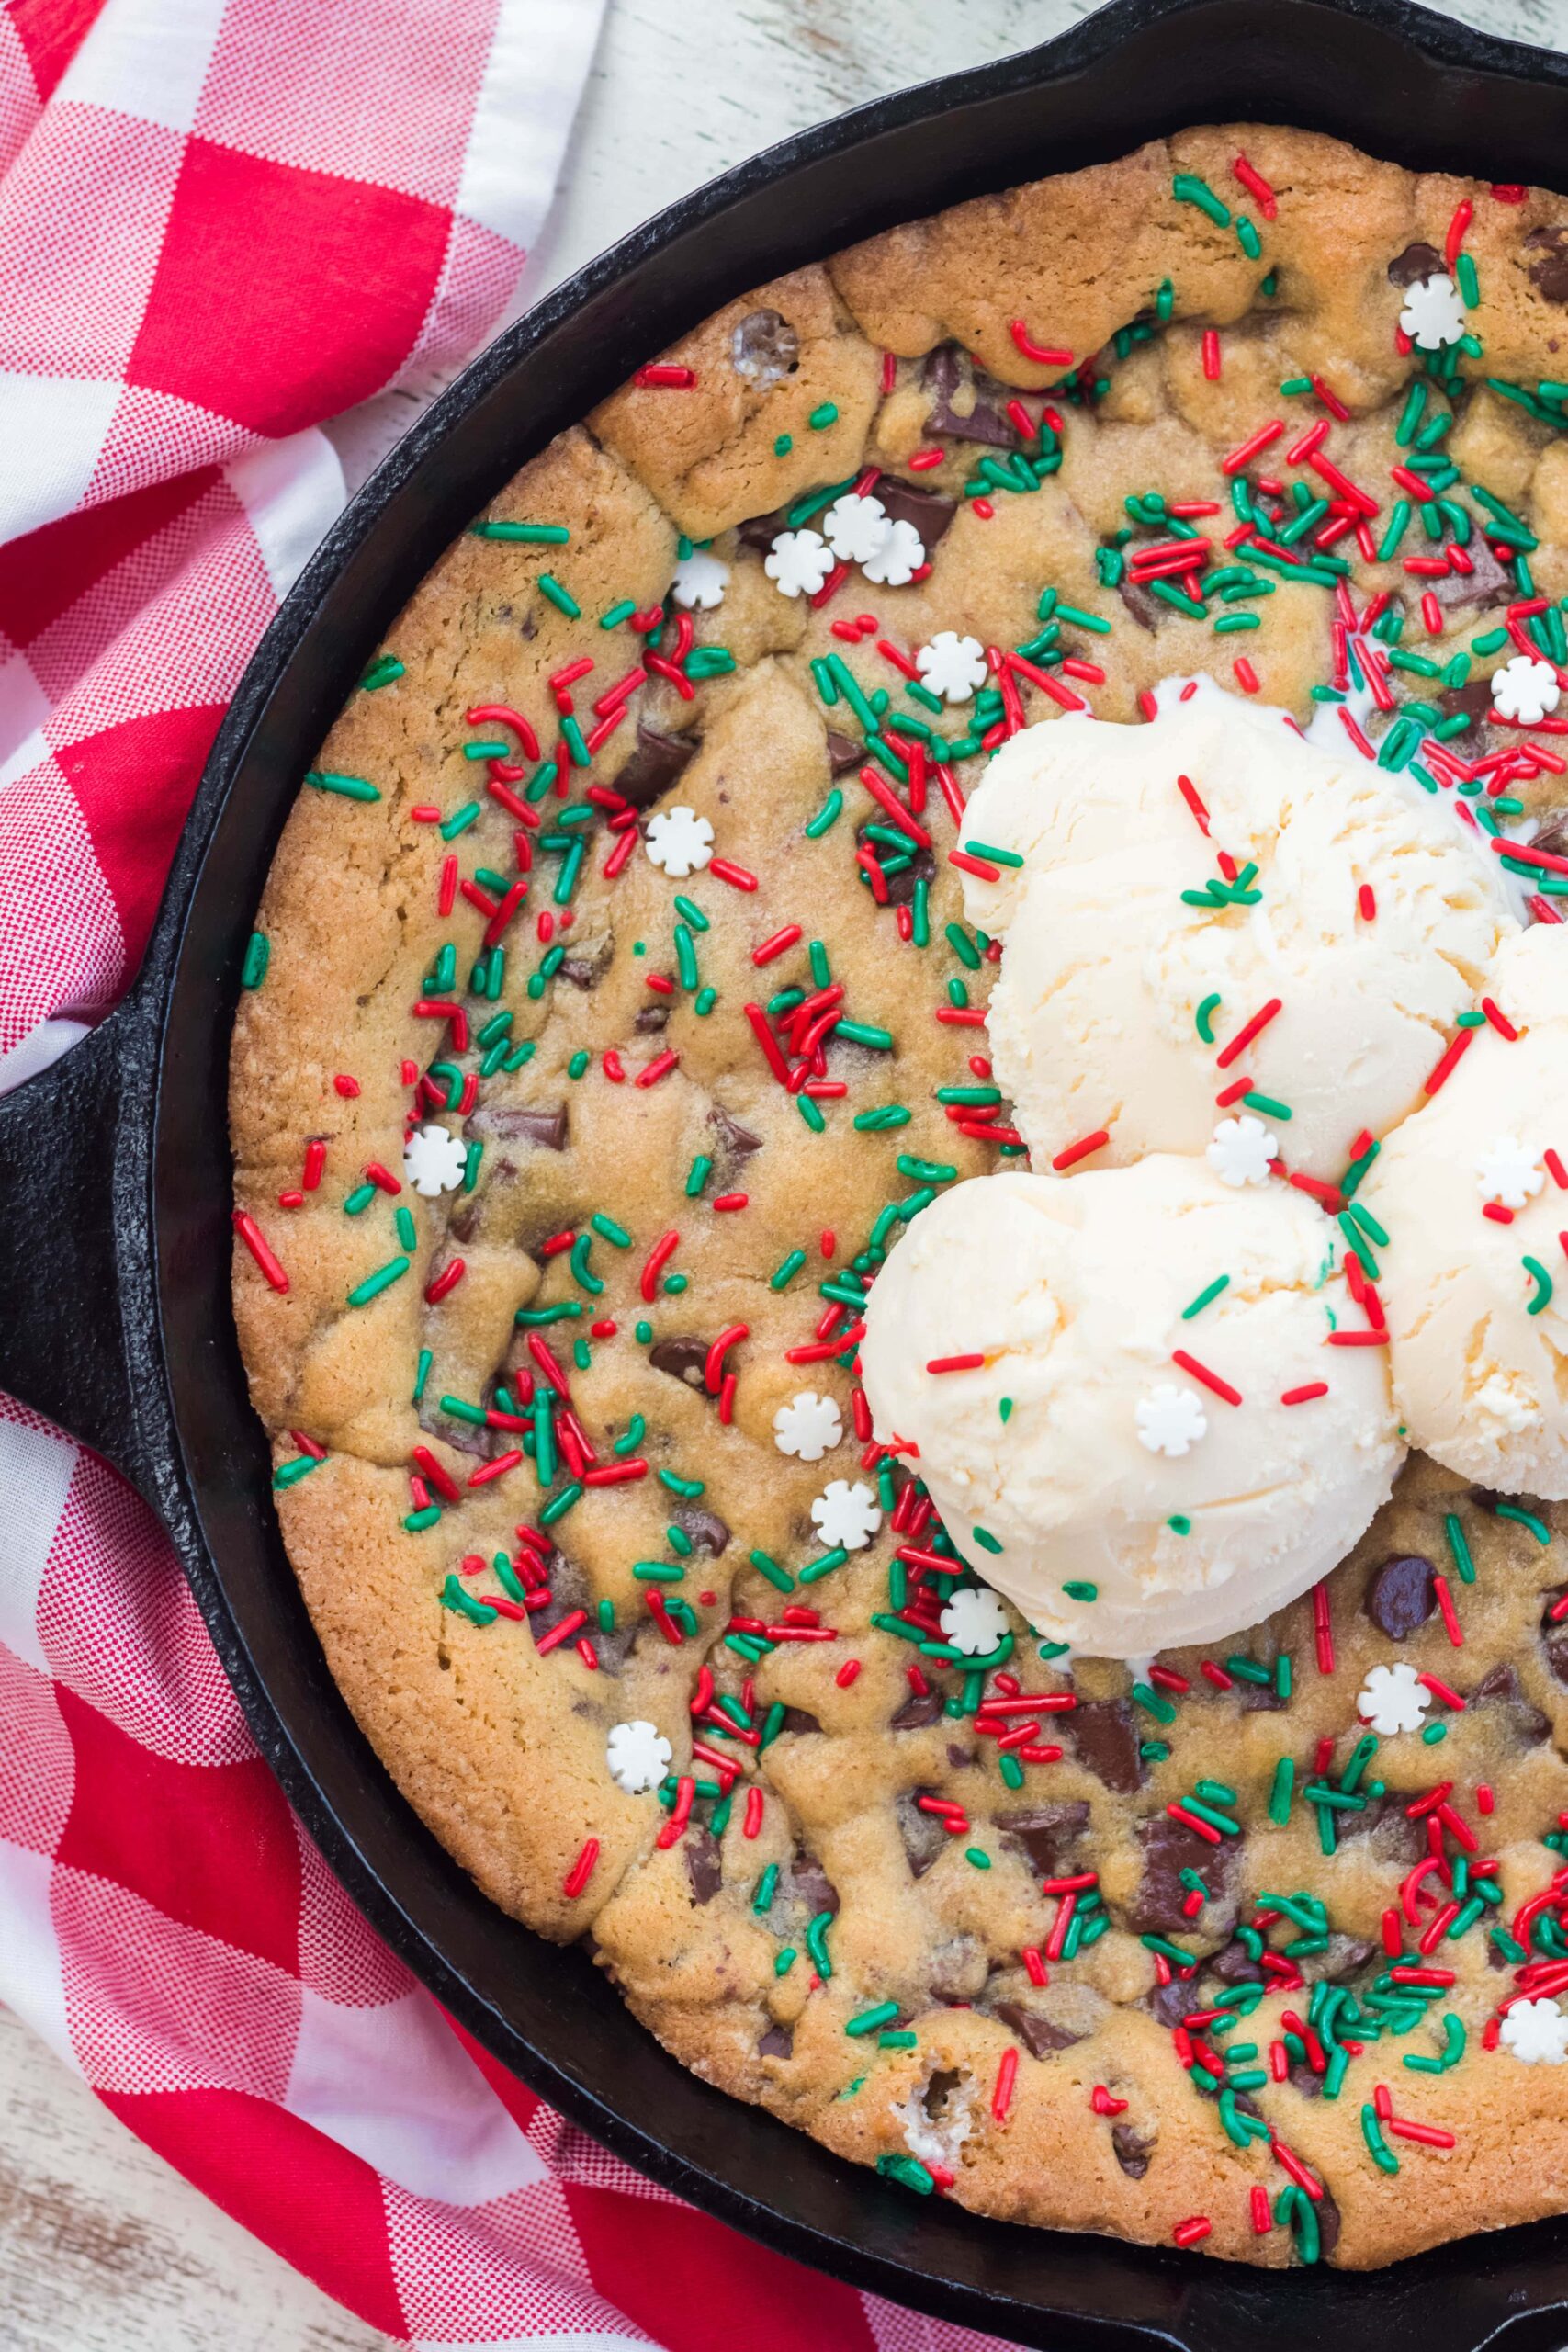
pixel 1210 1380
pixel 657 1068
pixel 1007 2074
pixel 776 944
pixel 1193 2231
pixel 956 1364
pixel 663 376
pixel 1449 1061
pixel 1086 1145
pixel 582 1871
pixel 1044 355
pixel 255 1242
pixel 1305 1393
pixel 661 1251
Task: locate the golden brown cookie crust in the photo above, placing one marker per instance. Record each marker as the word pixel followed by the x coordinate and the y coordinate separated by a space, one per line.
pixel 501 1748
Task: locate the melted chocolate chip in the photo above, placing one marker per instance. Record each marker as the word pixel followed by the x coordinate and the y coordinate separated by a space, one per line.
pixel 1416 261
pixel 764 347
pixel 959 1758
pixel 464 1222
pixel 811 1885
pixel 1395 1837
pixel 1328 2213
pixel 843 752
pixel 948 369
pixel 1171 2002
pixel 650 1019
pixel 738 1141
pixel 1169 1848
pixel 1346 1956
pixel 921 1832
pixel 1258 1698
pixel 1147 610
pixel 798 1719
pixel 1401 1595
pixel 705 1863
pixel 1038 2034
pixel 777 2042
pixel 463 1435
pixel 1104 1733
pixel 1309 2085
pixel 959 1970
pixel 1548 266
pixel 1132 2149
pixel 657 763
pixel 1527 1723
pixel 1474 698
pixel 544 1125
pixel 1047 1833
pixel 762 530
pixel 920 1708
pixel 707 1529
pixel 582 971
pixel 683 1357
pixel 930 513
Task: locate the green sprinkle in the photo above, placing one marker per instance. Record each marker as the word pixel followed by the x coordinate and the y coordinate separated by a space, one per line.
pixel 768 1567
pixel 1203 1019
pixel 1538 1527
pixel 348 787
pixel 786 1271
pixel 1178 1523
pixel 997 856
pixel 783 444
pixel 824 414
pixel 548 535
pixel 816 1942
pixel 562 598
pixel 374 1284
pixel 986 1541
pixel 259 950
pixel 463 1604
pixel 289 1474
pixel 810 1112
pixel 1206 1297
pixel 977 1856
pixel 1542 1282
pixel 783 1960
pixel 1268 1104
pixel 1187 188
pixel 381 673
pixel 1459 1548
pixel 1078 1589
pixel 617 614
pixel 557 1507
pixel 697 1175
pixel 1279 1798
pixel 1382 2155
pixel 864 1032
pixel 610 1230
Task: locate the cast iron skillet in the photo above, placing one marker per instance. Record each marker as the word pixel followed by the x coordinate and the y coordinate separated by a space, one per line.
pixel 115 1176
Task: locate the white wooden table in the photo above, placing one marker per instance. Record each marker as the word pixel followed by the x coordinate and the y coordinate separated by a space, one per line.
pixel 102 2248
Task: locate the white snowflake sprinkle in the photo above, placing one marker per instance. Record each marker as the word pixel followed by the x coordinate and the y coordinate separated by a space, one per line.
pixel 898 557
pixel 1433 313
pixel 1525 688
pixel 808 1427
pixel 974 1619
pixel 856 527
pixel 798 562
pixel 1170 1420
pixel 1508 1172
pixel 1393 1699
pixel 638 1755
pixel 845 1517
pixel 1241 1149
pixel 951 666
pixel 1536 2033
pixel 434 1160
pixel 701 579
pixel 679 842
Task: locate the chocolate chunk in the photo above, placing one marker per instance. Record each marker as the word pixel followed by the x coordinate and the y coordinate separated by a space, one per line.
pixel 1401 1595
pixel 464 1222
pixel 650 1019
pixel 920 1708
pixel 1147 610
pixel 1474 698
pixel 1169 1848
pixel 1258 1698
pixel 657 763
pixel 1395 1837
pixel 1233 1965
pixel 764 347
pixel 762 530
pixel 463 1435
pixel 1171 2002
pixel 843 752
pixel 738 1141
pixel 1328 2213
pixel 812 1886
pixel 707 1529
pixel 1132 2149
pixel 1416 261
pixel 569 1589
pixel 1548 266
pixel 930 513
pixel 1345 1957
pixel 959 1758
pixel 1104 1733
pixel 798 1719
pixel 1485 584
pixel 1046 1832
pixel 921 1832
pixel 544 1125
pixel 901 885
pixel 1309 2085
pixel 683 1357
pixel 959 1970
pixel 582 971
pixel 705 1863
pixel 1527 1721
pixel 948 372
pixel 1554 1636
pixel 1552 834
pixel 777 2042
pixel 1037 2033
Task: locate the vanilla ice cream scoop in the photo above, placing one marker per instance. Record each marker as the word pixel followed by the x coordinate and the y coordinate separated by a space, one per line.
pixel 1127 1399
pixel 1213 919
pixel 1473 1193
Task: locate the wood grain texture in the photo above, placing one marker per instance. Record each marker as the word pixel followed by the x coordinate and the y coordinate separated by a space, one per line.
pixel 102 2247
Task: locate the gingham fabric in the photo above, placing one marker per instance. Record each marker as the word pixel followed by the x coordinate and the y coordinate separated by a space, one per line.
pixel 223 221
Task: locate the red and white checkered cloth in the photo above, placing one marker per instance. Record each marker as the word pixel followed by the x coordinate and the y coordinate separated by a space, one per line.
pixel 223 221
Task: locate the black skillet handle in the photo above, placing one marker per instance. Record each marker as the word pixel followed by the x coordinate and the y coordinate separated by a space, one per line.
pixel 76 1294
